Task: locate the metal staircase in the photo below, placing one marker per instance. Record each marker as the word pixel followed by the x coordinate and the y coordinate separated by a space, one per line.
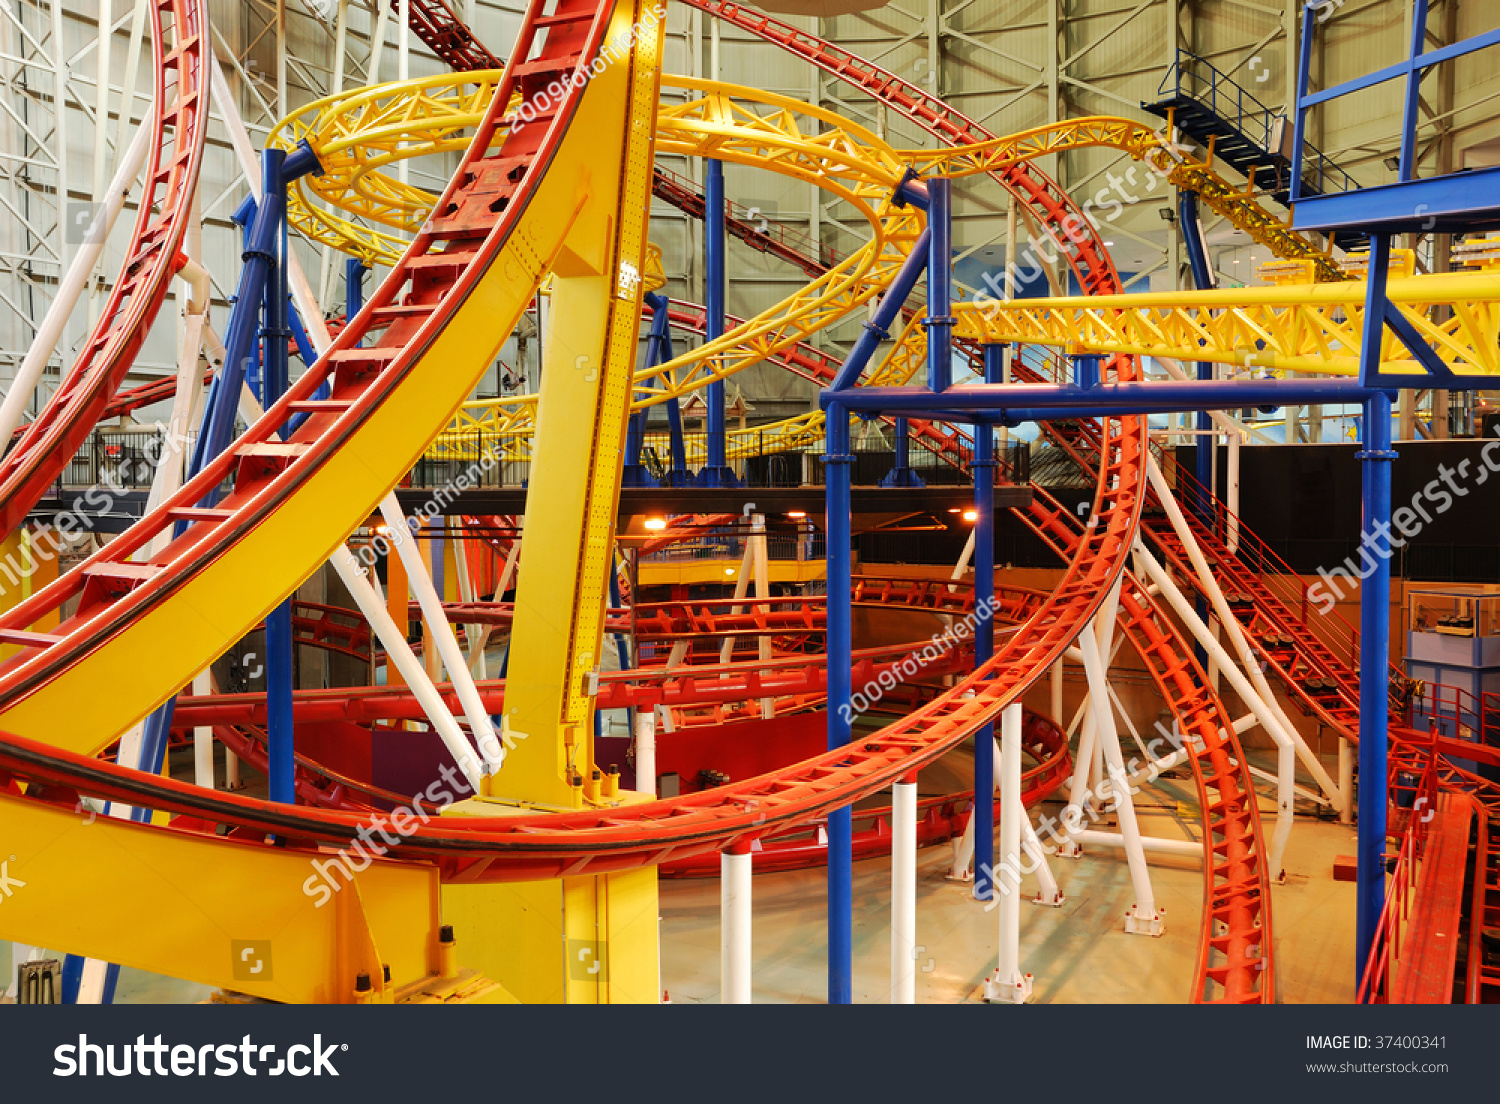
pixel 1245 134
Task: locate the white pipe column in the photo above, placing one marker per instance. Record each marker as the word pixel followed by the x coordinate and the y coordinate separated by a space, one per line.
pixel 645 750
pixel 1007 984
pixel 399 652
pixel 50 331
pixel 1346 781
pixel 1285 753
pixel 1057 692
pixel 1236 632
pixel 1232 538
pixel 420 579
pixel 477 663
pixel 904 891
pixel 1143 917
pixel 734 923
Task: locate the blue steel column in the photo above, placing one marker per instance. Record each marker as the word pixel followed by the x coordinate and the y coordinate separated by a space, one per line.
pixel 984 632
pixel 840 646
pixel 939 284
pixel 280 738
pixel 1374 618
pixel 1203 280
pixel 716 471
pixel 901 474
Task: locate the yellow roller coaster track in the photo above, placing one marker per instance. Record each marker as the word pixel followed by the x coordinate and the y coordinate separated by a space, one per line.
pixel 366 131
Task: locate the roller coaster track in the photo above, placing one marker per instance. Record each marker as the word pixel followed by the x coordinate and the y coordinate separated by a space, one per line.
pixel 237 719
pixel 501 219
pixel 1237 891
pixel 178 132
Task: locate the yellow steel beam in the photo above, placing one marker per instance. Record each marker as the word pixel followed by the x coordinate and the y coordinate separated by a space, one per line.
pixel 590 354
pixel 1307 328
pixel 242 918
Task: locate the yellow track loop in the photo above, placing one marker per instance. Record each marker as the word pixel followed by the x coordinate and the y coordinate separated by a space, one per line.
pixel 1179 168
pixel 1308 328
pixel 716 120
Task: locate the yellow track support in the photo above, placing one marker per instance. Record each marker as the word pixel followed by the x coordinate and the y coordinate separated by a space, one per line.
pixel 1307 328
pixel 590 352
pixel 214 922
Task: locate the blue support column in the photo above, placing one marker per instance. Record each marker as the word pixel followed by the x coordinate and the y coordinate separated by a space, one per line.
pixel 984 633
pixel 901 474
pixel 1374 618
pixel 354 288
pixel 939 284
pixel 658 342
pixel 221 405
pixel 1374 678
pixel 1085 369
pixel 716 471
pixel 839 463
pixel 1203 280
pixel 280 732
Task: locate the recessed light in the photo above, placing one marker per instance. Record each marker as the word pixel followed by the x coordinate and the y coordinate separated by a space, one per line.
pixel 971 515
pixel 656 524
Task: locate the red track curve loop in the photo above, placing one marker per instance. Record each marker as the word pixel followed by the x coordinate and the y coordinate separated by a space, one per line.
pixel 44 448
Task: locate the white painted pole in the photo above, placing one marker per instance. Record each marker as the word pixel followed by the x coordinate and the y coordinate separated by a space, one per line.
pixel 904 892
pixel 1143 917
pixel 1057 692
pixel 1236 633
pixel 203 738
pixel 1285 753
pixel 645 750
pixel 1007 984
pixel 1232 538
pixel 399 652
pixel 74 280
pixel 1190 848
pixel 244 151
pixel 734 924
pixel 1346 781
pixel 452 655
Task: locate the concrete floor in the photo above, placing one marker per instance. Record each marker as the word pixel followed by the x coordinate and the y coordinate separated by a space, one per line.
pixel 1078 953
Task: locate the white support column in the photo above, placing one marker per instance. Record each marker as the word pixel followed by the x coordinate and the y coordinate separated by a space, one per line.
pixel 1008 984
pixel 1262 688
pixel 1285 748
pixel 452 655
pixel 1143 917
pixel 203 738
pixel 741 585
pixel 1057 692
pixel 762 564
pixel 75 278
pixel 399 653
pixel 904 891
pixel 645 750
pixel 1346 780
pixel 734 924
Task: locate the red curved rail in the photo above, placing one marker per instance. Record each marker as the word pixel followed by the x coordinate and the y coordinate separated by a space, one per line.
pixel 44 448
